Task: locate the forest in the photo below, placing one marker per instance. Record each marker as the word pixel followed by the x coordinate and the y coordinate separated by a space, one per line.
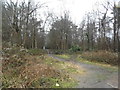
pixel 46 50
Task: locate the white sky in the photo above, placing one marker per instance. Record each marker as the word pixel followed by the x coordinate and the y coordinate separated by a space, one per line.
pixel 76 8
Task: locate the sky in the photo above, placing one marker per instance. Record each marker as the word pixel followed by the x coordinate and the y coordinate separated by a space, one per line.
pixel 77 8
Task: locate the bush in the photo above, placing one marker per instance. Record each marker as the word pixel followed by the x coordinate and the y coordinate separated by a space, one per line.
pixel 101 56
pixel 36 51
pixel 56 51
pixel 75 48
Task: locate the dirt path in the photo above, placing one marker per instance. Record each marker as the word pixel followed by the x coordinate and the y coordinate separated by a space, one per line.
pixel 96 76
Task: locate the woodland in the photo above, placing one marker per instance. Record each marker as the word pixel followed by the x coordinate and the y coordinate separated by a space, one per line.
pixel 45 52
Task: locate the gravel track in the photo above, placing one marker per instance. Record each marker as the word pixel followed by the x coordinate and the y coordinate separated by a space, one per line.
pixel 96 76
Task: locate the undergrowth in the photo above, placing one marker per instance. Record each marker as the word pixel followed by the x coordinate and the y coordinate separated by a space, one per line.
pixel 101 56
pixel 33 69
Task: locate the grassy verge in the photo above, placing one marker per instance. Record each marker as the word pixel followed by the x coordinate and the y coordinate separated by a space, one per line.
pixel 32 69
pixel 64 56
pixel 101 56
pixel 107 66
pixel 79 58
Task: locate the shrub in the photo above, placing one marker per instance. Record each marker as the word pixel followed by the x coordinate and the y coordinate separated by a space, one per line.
pixel 56 51
pixel 36 51
pixel 75 48
pixel 101 56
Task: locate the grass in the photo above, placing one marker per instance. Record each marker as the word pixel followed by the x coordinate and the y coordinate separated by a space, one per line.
pixel 70 69
pixel 64 56
pixel 69 66
pixel 101 56
pixel 50 82
pixel 31 69
pixel 93 62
